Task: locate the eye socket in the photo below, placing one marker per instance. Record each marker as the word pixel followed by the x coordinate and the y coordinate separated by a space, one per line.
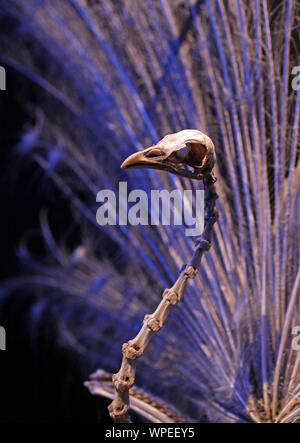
pixel 197 152
pixel 155 152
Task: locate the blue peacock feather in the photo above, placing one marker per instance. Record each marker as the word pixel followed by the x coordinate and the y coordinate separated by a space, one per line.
pixel 112 79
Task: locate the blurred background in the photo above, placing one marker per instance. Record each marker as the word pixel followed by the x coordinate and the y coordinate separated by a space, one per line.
pixel 87 84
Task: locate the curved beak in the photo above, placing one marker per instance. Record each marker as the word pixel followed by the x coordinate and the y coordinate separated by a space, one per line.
pixel 140 160
pixel 144 159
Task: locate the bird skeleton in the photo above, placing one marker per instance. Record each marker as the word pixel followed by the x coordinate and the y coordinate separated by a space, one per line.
pixel 175 153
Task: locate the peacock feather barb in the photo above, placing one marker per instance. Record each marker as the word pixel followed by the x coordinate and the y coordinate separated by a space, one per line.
pixel 174 153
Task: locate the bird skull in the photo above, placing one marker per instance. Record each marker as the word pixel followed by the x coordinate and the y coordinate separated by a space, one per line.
pixel 188 153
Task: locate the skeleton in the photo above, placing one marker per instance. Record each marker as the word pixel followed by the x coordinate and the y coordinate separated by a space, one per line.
pixel 175 153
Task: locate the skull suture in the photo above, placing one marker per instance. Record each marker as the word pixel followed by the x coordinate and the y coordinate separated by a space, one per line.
pixel 177 153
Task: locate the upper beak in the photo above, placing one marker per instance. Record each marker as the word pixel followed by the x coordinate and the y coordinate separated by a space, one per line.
pixel 140 160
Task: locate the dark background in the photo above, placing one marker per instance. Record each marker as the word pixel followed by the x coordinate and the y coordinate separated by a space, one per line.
pixel 38 384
